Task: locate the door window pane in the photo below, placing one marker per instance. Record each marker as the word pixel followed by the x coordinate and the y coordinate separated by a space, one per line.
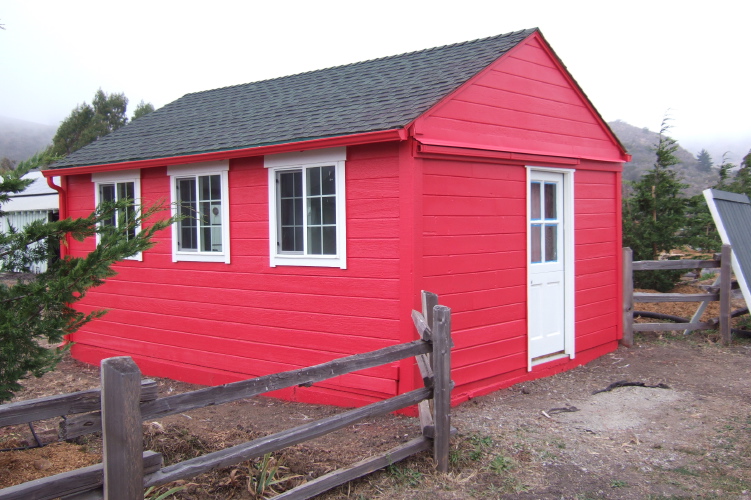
pixel 536 243
pixel 550 200
pixel 534 202
pixel 551 242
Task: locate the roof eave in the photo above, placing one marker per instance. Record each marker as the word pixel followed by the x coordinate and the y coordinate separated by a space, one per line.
pixel 398 134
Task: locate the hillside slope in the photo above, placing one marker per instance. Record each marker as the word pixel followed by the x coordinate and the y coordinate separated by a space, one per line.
pixel 641 144
pixel 20 139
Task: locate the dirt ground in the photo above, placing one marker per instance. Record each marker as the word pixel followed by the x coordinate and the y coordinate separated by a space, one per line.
pixel 550 438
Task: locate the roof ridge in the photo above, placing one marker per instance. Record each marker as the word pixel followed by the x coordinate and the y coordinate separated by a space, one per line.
pixel 383 58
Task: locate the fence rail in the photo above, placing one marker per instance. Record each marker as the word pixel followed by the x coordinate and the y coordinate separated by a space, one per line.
pixel 721 294
pixel 125 401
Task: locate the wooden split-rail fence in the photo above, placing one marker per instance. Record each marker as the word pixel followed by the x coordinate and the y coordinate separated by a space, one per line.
pixel 125 401
pixel 720 291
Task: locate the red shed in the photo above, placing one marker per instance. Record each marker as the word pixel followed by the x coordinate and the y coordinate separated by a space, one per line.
pixel 479 171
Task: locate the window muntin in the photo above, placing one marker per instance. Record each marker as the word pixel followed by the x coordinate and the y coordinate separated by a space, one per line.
pixel 200 196
pixel 200 202
pixel 544 231
pixel 114 187
pixel 116 192
pixel 307 211
pixel 306 208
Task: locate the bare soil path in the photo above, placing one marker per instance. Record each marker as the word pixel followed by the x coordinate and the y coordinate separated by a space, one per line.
pixel 551 438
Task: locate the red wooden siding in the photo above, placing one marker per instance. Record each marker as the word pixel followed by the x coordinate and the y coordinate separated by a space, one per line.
pixel 214 322
pixel 598 248
pixel 525 102
pixel 474 243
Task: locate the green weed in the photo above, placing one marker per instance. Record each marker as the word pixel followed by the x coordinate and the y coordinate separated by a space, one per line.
pixel 404 475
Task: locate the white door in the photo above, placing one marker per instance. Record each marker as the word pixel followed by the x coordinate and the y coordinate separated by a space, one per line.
pixel 545 236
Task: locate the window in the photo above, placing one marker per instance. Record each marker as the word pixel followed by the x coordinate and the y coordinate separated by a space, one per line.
pixel 199 195
pixel 117 186
pixel 307 208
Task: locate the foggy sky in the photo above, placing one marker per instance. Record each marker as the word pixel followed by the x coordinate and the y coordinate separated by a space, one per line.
pixel 635 60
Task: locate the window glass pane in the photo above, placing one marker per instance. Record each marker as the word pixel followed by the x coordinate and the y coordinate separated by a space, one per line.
pixel 216 187
pixel 216 238
pixel 314 181
pixel 187 238
pixel 205 239
pixel 314 211
pixel 287 184
pixel 329 240
pixel 107 194
pixel 551 242
pixel 550 201
pixel 536 243
pixel 205 213
pixel 314 241
pixel 125 190
pixel 534 202
pixel 290 211
pixel 328 180
pixel 188 226
pixel 288 239
pixel 329 210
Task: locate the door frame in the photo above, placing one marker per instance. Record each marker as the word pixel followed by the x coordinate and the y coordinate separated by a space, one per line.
pixel 569 288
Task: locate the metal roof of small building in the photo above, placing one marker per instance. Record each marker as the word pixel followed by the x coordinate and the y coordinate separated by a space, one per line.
pixel 732 216
pixel 376 95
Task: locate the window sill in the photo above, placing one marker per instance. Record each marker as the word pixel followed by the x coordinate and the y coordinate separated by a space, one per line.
pixel 308 261
pixel 200 257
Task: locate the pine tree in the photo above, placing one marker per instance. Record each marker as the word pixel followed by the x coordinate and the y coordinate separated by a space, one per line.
pixel 705 161
pixel 41 309
pixel 653 214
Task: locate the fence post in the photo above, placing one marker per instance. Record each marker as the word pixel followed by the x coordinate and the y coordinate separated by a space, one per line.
pixel 442 385
pixel 122 453
pixel 725 290
pixel 628 298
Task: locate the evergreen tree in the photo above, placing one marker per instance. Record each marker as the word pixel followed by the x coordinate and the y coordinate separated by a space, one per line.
pixel 653 214
pixel 725 168
pixel 41 309
pixel 88 123
pixel 705 161
pixel 143 108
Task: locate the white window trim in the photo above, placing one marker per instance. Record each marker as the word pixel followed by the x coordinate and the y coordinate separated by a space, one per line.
pixel 133 176
pixel 302 160
pixel 569 260
pixel 195 170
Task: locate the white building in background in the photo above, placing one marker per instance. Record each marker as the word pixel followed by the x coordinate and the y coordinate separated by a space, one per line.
pixel 38 201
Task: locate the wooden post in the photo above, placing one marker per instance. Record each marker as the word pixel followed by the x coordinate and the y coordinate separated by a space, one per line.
pixel 628 298
pixel 725 287
pixel 442 385
pixel 425 362
pixel 122 453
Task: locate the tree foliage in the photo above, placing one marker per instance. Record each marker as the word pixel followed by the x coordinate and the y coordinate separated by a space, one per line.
pixel 142 109
pixel 87 123
pixel 705 160
pixel 41 310
pixel 653 215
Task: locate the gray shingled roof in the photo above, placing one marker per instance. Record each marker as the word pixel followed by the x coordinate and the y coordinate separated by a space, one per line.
pixel 376 95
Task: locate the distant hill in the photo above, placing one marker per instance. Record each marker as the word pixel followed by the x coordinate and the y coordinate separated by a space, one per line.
pixel 20 139
pixel 641 144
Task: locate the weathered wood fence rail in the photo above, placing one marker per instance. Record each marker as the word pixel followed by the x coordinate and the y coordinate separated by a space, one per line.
pixel 125 401
pixel 719 292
